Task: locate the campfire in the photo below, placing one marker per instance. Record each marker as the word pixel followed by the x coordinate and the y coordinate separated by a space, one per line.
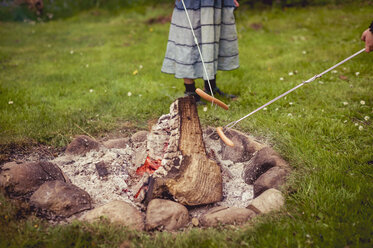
pixel 177 162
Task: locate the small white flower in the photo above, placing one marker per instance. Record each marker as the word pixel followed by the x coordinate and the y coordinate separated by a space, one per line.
pixel 129 94
pixel 344 68
pixel 291 103
pixel 334 71
pixel 204 109
pixel 357 73
pixel 356 124
pixel 264 108
pixel 281 79
pixel 362 102
pixel 322 110
pixel 291 73
pixel 140 95
pixel 304 52
pixel 141 67
pixel 276 109
pixel 345 103
pixel 87 65
pixel 361 128
pixel 72 52
pixel 366 118
pixel 10 102
pixel 290 115
pixel 91 90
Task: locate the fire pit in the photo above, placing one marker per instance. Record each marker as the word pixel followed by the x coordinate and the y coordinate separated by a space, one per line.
pixel 177 171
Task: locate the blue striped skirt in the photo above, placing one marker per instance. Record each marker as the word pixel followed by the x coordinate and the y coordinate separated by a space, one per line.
pixel 215 28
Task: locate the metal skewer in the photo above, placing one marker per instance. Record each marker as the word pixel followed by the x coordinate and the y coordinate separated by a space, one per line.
pixel 233 123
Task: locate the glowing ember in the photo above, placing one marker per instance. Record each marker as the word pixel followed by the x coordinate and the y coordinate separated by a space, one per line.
pixel 149 166
pixel 145 187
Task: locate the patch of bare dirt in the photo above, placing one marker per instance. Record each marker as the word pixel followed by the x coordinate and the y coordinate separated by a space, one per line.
pixel 27 152
pixel 159 20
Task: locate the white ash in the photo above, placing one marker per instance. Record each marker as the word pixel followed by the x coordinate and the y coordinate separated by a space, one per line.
pixel 82 172
pixel 236 193
pixel 158 138
pixel 122 184
pixel 162 142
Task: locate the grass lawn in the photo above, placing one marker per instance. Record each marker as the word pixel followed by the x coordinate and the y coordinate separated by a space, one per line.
pixel 100 73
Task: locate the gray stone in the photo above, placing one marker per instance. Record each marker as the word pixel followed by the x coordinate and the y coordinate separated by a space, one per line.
pixel 120 143
pixel 81 145
pixel 139 137
pixel 262 161
pixel 167 215
pixel 273 178
pixel 226 216
pixel 244 147
pixel 25 178
pixel 269 200
pixel 117 212
pixel 59 199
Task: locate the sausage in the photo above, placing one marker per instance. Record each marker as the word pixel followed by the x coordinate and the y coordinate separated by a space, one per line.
pixel 224 138
pixel 209 98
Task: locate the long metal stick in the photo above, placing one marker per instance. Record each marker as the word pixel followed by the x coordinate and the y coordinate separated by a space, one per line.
pixel 232 124
pixel 199 50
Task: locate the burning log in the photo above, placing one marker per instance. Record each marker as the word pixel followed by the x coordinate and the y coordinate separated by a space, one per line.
pixel 186 174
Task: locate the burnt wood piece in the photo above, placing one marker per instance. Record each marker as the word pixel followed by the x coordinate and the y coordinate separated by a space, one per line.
pixel 195 179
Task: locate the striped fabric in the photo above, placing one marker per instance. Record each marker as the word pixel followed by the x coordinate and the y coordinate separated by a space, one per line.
pixel 214 25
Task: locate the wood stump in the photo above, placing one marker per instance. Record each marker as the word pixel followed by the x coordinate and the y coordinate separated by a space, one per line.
pixel 187 174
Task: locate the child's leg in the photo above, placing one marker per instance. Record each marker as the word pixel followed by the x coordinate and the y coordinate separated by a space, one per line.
pixel 215 89
pixel 190 90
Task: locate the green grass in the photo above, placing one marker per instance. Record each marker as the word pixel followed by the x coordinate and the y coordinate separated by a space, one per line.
pixel 54 92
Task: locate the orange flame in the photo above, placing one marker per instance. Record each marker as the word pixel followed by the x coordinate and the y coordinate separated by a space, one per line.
pixel 149 166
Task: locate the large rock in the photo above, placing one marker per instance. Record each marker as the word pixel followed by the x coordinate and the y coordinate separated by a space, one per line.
pixel 59 199
pixel 120 143
pixel 226 215
pixel 117 212
pixel 262 161
pixel 273 178
pixel 244 147
pixel 270 200
pixel 25 178
pixel 81 145
pixel 167 215
pixel 139 137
